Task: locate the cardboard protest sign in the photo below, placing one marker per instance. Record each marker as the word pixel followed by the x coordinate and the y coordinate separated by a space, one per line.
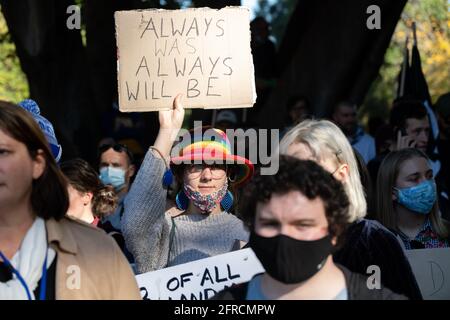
pixel 202 53
pixel 201 279
pixel 432 270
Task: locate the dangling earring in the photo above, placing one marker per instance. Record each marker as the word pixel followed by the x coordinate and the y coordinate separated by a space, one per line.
pixel 227 201
pixel 167 178
pixel 182 200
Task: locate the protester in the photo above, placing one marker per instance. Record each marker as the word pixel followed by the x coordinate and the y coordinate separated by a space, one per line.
pixel 384 143
pixel 45 255
pixel 199 224
pixel 411 129
pixel 296 219
pixel 265 65
pixel 407 200
pixel 298 109
pixel 344 115
pixel 226 119
pixel 443 117
pixel 367 241
pixel 367 185
pixel 89 199
pixel 443 144
pixel 409 120
pixel 47 128
pixel 409 126
pixel 116 169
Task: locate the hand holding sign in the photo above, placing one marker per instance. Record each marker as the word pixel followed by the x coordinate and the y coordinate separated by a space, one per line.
pixel 173 118
pixel 170 122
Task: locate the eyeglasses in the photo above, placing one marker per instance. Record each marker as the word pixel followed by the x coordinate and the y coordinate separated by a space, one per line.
pixel 118 147
pixel 218 171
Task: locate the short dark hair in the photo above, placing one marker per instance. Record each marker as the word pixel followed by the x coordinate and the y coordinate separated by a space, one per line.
pixel 49 198
pixel 83 178
pixel 293 100
pixel 404 109
pixel 341 104
pixel 260 20
pixel 118 147
pixel 304 176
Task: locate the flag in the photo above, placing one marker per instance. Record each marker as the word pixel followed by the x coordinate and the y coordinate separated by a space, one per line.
pixel 420 89
pixel 419 84
pixel 404 77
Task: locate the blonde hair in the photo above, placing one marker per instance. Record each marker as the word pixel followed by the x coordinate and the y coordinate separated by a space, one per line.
pixel 327 141
pixel 387 175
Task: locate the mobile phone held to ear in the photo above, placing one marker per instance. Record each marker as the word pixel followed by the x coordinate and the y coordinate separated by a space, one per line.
pixel 402 132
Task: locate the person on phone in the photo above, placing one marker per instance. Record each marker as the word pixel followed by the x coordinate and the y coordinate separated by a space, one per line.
pixel 411 129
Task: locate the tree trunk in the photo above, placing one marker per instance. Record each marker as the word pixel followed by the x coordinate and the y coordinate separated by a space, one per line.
pixel 328 54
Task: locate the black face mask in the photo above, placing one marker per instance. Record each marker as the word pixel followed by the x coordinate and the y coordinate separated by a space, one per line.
pixel 289 260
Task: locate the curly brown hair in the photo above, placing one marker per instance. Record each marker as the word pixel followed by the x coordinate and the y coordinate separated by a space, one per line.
pixel 306 177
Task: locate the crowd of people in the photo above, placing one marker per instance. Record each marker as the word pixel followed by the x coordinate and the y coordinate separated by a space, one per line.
pixel 340 202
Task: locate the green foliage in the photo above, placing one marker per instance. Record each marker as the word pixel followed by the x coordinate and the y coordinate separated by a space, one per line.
pixel 432 18
pixel 13 82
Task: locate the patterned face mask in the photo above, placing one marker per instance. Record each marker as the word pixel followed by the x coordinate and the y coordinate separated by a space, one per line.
pixel 419 198
pixel 206 203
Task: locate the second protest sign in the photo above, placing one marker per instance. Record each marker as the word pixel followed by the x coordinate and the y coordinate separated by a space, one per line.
pixel 201 279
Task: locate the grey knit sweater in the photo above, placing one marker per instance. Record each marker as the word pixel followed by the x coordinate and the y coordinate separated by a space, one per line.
pixel 147 227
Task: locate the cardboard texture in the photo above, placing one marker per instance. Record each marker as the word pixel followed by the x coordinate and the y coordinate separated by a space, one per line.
pixel 201 279
pixel 432 270
pixel 202 53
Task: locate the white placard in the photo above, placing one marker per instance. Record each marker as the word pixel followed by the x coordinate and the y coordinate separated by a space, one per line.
pixel 432 270
pixel 201 279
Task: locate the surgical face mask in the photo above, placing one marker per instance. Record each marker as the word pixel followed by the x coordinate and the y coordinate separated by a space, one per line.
pixel 419 198
pixel 290 260
pixel 113 176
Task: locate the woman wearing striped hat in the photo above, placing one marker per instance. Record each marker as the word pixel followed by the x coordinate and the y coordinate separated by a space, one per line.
pixel 198 224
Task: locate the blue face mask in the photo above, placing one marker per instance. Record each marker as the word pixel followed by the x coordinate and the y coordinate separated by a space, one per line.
pixel 419 198
pixel 113 176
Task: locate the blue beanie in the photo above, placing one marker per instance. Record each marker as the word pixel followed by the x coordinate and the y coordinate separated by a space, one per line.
pixel 46 126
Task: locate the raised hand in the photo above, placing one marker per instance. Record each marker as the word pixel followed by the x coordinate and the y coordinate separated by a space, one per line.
pixel 172 119
pixel 170 122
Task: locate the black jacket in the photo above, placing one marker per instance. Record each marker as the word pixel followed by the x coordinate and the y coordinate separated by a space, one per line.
pixel 356 288
pixel 368 242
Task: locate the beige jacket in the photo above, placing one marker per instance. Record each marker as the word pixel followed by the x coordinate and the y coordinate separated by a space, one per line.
pixel 89 265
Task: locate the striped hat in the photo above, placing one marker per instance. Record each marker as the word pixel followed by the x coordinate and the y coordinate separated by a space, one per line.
pixel 212 146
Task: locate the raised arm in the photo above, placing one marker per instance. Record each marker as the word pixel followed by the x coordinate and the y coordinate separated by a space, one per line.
pixel 144 225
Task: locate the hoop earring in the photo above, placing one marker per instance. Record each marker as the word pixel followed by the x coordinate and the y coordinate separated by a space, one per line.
pixel 227 201
pixel 182 200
